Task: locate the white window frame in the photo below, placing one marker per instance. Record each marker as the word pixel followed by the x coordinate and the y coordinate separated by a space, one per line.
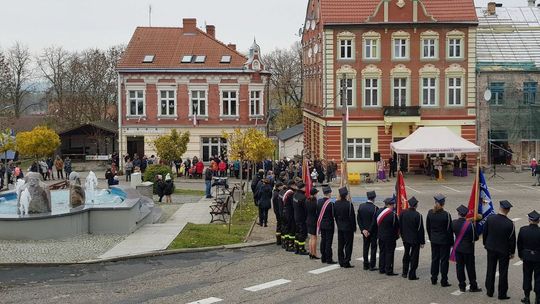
pixel 362 145
pixel 429 44
pixel 433 88
pixel 348 49
pixel 222 100
pixel 454 87
pixel 369 89
pixel 128 101
pixel 259 100
pixel 453 47
pixel 373 47
pixel 400 87
pixel 352 88
pixel 428 36
pixel 168 98
pixel 452 35
pixel 192 89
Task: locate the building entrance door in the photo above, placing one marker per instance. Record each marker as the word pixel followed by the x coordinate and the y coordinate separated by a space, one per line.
pixel 135 145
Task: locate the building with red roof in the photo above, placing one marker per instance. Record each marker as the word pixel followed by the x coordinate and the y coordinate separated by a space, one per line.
pixel 186 79
pixel 403 63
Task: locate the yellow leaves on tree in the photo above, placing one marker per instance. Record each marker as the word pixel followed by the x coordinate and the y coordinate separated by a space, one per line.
pixel 172 146
pixel 6 141
pixel 249 144
pixel 38 143
pixel 288 116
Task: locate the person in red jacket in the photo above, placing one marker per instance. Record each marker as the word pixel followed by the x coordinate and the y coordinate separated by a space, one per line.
pixel 199 169
pixel 222 167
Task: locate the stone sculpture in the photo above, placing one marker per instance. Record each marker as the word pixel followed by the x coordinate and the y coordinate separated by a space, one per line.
pixel 76 191
pixel 39 195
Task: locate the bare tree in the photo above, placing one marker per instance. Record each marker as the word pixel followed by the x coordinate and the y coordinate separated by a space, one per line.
pixel 20 74
pixel 5 79
pixel 286 80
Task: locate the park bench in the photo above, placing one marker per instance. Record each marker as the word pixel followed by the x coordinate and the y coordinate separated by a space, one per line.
pixel 59 185
pixel 220 208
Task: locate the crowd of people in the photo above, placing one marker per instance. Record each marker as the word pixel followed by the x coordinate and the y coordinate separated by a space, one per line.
pixel 300 215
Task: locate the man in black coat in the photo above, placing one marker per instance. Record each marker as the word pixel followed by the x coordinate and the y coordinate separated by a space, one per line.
pixel 326 225
pixel 528 245
pixel 439 229
pixel 500 242
pixel 413 236
pixel 386 226
pixel 366 216
pixel 300 216
pixel 346 223
pixel 287 219
pixel 464 250
pixel 277 210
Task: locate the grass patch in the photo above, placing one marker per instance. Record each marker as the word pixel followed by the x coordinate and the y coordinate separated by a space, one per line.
pixel 194 236
pixel 189 192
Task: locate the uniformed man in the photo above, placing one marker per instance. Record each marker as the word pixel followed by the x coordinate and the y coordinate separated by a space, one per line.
pixel 464 251
pixel 287 218
pixel 366 215
pixel 500 242
pixel 386 226
pixel 413 236
pixel 325 224
pixel 528 245
pixel 300 216
pixel 346 223
pixel 439 229
pixel 276 205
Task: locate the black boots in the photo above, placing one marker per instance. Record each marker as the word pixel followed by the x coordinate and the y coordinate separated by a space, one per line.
pixel 278 239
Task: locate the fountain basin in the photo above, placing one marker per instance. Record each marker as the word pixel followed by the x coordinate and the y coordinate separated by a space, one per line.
pixel 118 216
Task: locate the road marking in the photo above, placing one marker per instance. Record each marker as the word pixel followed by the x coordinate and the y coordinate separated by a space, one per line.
pixel 516 219
pixel 449 188
pixel 459 292
pixel 526 187
pixel 324 269
pixel 207 301
pixel 267 285
pixel 362 259
pixel 400 248
pixel 496 274
pixel 411 188
pixel 518 263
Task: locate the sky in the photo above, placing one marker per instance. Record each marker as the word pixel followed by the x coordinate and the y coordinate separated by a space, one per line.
pixel 81 24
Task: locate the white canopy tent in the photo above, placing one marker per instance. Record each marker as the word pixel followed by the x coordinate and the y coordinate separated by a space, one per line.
pixel 434 140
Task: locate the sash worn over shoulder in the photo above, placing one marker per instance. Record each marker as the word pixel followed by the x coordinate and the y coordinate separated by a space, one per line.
pixel 383 215
pixel 319 220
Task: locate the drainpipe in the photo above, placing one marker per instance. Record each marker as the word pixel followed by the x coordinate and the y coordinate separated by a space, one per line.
pixel 119 105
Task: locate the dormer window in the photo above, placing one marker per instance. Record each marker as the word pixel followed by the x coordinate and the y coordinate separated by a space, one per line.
pixel 200 59
pixel 225 59
pixel 187 59
pixel 148 59
pixel 256 65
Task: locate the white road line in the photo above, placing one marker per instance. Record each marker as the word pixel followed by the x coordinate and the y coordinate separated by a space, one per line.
pixel 526 187
pixel 518 263
pixel 362 259
pixel 400 248
pixel 449 188
pixel 324 269
pixel 267 285
pixel 207 301
pixel 496 274
pixel 516 219
pixel 411 188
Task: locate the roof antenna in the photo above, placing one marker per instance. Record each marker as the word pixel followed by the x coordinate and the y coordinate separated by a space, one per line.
pixel 150 15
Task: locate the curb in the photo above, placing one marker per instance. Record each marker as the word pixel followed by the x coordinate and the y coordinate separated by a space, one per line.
pixel 148 254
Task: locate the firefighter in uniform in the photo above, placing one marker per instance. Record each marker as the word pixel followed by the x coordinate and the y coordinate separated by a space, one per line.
pixel 528 245
pixel 365 217
pixel 413 236
pixel 439 230
pixel 499 237
pixel 285 233
pixel 326 225
pixel 288 214
pixel 277 210
pixel 346 223
pixel 464 251
pixel 386 225
pixel 300 217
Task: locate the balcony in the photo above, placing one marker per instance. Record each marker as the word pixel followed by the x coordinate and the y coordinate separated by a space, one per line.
pixel 402 111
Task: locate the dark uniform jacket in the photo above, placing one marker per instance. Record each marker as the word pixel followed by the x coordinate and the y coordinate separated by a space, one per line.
pixel 275 203
pixel 439 227
pixel 412 227
pixel 281 195
pixel 311 209
pixel 299 205
pixel 264 195
pixel 366 215
pixel 467 242
pixel 389 227
pixel 499 234
pixel 327 221
pixel 288 209
pixel 345 215
pixel 528 243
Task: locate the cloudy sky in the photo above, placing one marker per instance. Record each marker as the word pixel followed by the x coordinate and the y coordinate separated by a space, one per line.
pixel 80 24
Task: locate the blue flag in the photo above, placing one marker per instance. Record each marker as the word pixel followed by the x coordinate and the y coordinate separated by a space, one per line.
pixel 485 204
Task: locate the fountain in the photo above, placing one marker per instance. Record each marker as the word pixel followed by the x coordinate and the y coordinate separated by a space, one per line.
pixel 91 185
pixel 76 192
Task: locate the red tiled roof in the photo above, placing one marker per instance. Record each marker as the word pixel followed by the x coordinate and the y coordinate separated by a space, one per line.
pixel 170 44
pixel 357 11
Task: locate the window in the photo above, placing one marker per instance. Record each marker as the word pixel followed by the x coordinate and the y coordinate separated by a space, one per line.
pixel 167 103
pixel 497 93
pixel 229 103
pixel 187 59
pixel 349 91
pixel 400 92
pixel 213 146
pixel 529 92
pixel 345 49
pixel 454 91
pixel 200 59
pixel 371 92
pixel 359 148
pixel 428 48
pixel 429 91
pixel 371 49
pixel 148 59
pixel 400 48
pixel 255 103
pixel 225 59
pixel 454 48
pixel 198 103
pixel 136 103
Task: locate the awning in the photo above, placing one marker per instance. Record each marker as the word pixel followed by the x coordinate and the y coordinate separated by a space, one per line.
pixel 434 140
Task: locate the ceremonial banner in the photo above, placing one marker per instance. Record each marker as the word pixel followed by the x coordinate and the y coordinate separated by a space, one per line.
pixel 401 194
pixel 306 177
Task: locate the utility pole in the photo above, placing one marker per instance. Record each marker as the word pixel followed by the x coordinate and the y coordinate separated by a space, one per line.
pixel 344 148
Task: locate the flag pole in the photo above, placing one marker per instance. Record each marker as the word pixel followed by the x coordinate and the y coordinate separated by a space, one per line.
pixel 477 185
pixel 344 101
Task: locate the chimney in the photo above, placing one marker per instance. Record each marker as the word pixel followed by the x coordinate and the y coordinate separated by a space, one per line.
pixel 190 25
pixel 211 30
pixel 232 46
pixel 531 3
pixel 492 8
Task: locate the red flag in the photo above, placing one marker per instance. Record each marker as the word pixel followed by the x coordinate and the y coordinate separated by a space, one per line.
pixel 473 199
pixel 306 177
pixel 401 194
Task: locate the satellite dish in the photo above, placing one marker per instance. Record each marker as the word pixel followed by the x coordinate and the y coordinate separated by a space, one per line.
pixel 487 94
